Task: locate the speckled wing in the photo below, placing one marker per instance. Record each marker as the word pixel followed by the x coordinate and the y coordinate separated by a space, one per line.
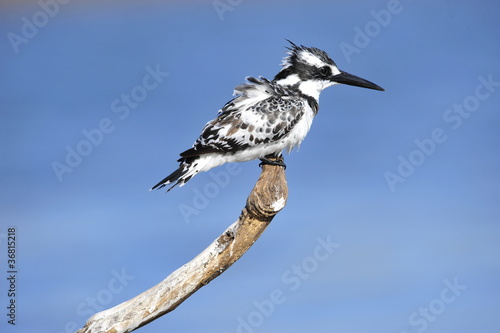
pixel 262 113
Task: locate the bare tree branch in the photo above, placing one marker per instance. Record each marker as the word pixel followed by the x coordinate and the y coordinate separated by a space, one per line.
pixel 267 198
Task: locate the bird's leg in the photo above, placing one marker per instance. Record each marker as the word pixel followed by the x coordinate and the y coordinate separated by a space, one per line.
pixel 272 160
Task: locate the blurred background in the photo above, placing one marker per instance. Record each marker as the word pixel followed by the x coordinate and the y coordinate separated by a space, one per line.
pixel 98 99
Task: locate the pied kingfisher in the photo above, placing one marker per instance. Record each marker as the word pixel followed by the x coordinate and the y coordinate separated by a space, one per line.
pixel 266 116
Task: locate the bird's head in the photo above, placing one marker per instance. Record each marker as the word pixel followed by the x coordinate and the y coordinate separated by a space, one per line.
pixel 310 70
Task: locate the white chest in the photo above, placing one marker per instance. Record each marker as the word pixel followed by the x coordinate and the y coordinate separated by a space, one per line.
pixel 299 132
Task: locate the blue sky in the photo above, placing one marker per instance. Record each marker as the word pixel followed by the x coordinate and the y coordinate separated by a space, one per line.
pixel 404 182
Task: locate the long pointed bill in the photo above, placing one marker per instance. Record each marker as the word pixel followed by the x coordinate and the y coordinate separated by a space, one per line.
pixel 353 80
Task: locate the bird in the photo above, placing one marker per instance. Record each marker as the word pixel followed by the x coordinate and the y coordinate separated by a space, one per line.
pixel 265 117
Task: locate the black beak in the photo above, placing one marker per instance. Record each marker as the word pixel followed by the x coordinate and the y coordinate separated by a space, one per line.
pixel 353 80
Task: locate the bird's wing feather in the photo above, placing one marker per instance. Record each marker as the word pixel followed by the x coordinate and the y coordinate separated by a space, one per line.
pixel 263 112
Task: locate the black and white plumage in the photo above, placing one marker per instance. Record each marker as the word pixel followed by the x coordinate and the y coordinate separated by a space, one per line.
pixel 266 117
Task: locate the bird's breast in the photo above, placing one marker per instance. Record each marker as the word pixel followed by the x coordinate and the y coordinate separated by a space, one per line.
pixel 300 130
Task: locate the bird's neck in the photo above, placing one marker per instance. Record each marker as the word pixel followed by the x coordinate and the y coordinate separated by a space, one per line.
pixel 309 90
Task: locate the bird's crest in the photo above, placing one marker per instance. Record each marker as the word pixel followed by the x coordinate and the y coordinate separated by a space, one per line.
pixel 306 55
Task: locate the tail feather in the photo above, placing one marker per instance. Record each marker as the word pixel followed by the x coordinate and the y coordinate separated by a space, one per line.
pixel 176 176
pixel 187 169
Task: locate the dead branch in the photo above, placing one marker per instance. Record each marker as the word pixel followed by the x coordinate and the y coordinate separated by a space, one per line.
pixel 267 198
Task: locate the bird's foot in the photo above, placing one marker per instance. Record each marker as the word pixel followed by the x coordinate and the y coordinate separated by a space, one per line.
pixel 275 161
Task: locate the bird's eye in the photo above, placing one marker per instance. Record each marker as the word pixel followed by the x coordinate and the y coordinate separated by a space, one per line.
pixel 325 71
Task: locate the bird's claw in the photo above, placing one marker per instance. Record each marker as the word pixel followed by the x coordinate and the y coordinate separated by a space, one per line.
pixel 277 162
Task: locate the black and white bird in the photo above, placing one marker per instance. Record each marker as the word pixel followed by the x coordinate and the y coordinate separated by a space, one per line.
pixel 266 117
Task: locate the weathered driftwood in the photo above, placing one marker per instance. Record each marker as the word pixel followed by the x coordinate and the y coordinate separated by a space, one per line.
pixel 267 198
